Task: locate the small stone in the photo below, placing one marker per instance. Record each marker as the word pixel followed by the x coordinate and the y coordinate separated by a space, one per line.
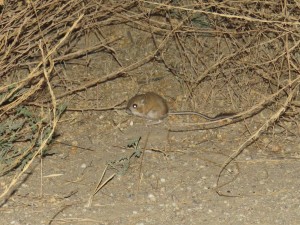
pixel 152 197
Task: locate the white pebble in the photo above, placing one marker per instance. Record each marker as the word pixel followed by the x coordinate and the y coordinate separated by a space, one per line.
pixel 152 197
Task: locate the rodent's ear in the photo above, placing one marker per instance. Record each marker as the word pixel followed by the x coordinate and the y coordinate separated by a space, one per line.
pixel 143 101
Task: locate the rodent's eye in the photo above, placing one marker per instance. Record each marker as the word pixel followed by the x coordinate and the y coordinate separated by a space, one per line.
pixel 134 105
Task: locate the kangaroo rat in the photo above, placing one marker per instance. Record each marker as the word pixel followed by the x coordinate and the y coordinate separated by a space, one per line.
pixel 154 107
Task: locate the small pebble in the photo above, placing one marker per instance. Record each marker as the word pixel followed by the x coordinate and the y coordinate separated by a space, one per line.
pixel 152 197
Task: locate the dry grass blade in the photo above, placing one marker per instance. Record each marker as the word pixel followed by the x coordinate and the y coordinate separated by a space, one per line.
pixel 100 185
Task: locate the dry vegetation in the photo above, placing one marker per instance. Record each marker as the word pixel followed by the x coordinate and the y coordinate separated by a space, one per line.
pixel 248 50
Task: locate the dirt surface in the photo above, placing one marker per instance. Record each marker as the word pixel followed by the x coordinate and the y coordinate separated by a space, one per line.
pixel 171 176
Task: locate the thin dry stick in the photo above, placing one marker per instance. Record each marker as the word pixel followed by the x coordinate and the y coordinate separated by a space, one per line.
pixel 250 19
pixel 142 160
pixel 57 213
pixel 255 136
pixel 114 107
pixel 77 220
pixel 99 187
